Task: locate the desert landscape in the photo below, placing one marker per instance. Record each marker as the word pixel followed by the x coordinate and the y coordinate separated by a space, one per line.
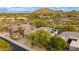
pixel 41 30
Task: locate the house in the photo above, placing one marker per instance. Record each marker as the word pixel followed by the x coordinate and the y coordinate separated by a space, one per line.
pixel 73 40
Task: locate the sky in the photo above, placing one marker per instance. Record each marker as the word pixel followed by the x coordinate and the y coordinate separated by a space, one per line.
pixel 31 9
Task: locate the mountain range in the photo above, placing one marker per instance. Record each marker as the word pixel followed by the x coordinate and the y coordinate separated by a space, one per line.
pixel 31 9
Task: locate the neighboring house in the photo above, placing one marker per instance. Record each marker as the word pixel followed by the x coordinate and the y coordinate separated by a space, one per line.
pixel 73 40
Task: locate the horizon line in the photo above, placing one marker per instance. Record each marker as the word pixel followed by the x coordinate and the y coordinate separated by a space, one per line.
pixel 31 9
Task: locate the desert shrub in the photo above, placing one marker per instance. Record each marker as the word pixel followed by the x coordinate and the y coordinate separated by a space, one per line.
pixel 40 23
pixel 58 43
pixel 5 46
pixel 40 38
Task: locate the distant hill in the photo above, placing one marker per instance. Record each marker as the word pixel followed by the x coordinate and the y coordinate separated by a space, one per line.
pixel 43 10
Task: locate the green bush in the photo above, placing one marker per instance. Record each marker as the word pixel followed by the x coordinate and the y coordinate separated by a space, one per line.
pixel 72 28
pixel 5 46
pixel 58 43
pixel 34 16
pixel 40 38
pixel 40 23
